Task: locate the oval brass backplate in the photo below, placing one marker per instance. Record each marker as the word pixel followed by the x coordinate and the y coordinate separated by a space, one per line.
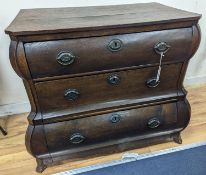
pixel 153 123
pixel 115 45
pixel 71 94
pixel 161 47
pixel 115 118
pixel 65 58
pixel 152 83
pixel 77 138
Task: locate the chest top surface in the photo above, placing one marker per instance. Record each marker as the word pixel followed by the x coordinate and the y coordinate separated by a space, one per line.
pixel 61 20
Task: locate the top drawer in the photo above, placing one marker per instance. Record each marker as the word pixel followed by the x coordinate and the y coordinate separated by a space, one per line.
pixel 96 54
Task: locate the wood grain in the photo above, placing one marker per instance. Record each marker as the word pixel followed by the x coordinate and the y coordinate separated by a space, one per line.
pixel 48 97
pixel 14 158
pixel 97 129
pixel 112 95
pixel 137 49
pixel 58 20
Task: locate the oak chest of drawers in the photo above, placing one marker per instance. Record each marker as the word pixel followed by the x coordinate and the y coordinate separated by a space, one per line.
pixel 102 79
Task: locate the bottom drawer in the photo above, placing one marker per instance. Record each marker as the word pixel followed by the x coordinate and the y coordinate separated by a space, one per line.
pixel 107 127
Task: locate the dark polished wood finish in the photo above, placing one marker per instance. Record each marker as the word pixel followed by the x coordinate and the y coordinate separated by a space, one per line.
pixel 131 86
pixel 101 128
pixel 91 74
pixel 62 20
pixel 42 55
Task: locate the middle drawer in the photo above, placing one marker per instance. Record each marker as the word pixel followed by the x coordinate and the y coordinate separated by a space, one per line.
pixel 80 93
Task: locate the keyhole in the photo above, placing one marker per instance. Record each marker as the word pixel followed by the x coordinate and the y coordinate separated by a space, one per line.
pixel 115 45
pixel 113 79
pixel 115 118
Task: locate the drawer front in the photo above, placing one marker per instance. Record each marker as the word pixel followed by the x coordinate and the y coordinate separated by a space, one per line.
pixel 104 128
pixel 80 92
pixel 61 57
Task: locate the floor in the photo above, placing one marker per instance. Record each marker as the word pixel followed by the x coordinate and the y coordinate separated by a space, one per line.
pixel 14 158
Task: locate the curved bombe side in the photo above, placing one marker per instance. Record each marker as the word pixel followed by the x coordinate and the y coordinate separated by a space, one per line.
pixel 19 64
pixel 13 57
pixel 35 137
pixel 36 145
pixel 196 38
pixel 183 106
pixel 17 58
pixel 184 113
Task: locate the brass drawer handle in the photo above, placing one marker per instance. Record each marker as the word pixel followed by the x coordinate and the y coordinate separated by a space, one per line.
pixel 152 82
pixel 76 138
pixel 160 48
pixel 71 94
pixel 153 123
pixel 115 118
pixel 113 79
pixel 65 58
pixel 115 45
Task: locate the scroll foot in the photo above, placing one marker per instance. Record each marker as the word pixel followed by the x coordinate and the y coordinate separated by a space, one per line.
pixel 41 166
pixel 177 138
pixel 3 131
